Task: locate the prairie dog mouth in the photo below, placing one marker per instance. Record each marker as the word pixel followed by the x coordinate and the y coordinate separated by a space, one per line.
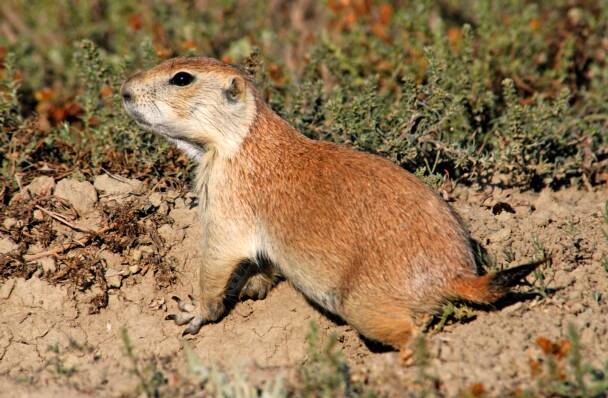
pixel 139 118
pixel 136 115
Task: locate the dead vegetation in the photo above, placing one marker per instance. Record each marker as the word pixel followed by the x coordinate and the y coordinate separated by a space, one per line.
pixel 58 245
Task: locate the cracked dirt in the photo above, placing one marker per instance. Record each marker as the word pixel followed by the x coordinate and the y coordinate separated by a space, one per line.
pixel 61 315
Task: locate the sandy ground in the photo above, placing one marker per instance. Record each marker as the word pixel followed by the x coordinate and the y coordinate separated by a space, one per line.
pixel 60 337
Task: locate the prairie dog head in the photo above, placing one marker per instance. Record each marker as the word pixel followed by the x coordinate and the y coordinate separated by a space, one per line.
pixel 196 103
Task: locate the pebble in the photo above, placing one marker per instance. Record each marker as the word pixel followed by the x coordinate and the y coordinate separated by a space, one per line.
pixel 48 265
pixel 117 185
pixel 136 255
pixel 38 215
pixel 113 278
pixel 183 217
pixel 156 199
pixel 163 209
pixel 171 195
pixel 81 194
pixel 167 233
pixel 7 245
pixel 9 222
pixel 180 203
pixel 40 186
pixel 113 260
pixel 147 249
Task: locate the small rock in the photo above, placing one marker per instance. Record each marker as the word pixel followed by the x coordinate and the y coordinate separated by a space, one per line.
pixel 180 203
pixel 80 194
pixel 113 280
pixel 38 215
pixel 171 195
pixel 136 255
pixel 163 209
pixel 35 248
pixel 149 249
pixel 184 217
pixel 9 222
pixel 133 269
pixel 117 185
pixel 48 265
pixel 40 186
pixel 7 245
pixel 170 234
pixel 113 260
pixel 155 199
pixel 149 224
pixel 167 233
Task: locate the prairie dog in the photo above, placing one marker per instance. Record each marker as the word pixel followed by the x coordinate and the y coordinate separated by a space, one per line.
pixel 356 234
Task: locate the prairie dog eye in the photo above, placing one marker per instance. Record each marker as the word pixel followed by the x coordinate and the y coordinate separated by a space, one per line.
pixel 181 79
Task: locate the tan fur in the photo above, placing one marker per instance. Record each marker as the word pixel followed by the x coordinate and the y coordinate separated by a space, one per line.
pixel 353 232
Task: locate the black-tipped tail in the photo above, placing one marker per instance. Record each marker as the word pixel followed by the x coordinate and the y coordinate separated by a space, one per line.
pixel 488 288
pixel 510 277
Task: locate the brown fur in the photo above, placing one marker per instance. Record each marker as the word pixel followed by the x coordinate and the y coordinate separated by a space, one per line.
pixel 356 234
pixel 475 290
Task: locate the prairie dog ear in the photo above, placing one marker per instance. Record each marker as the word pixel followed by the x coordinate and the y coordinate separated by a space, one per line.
pixel 236 89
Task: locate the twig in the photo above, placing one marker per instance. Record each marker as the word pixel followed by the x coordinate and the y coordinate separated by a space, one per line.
pixel 453 151
pixel 116 176
pixel 410 127
pixel 66 246
pixel 62 220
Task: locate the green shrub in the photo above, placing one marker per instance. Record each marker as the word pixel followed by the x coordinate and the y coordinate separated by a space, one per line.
pixel 511 93
pixel 324 374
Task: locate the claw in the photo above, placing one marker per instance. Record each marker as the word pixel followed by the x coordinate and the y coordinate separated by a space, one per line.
pixel 184 306
pixel 180 319
pixel 185 315
pixel 194 326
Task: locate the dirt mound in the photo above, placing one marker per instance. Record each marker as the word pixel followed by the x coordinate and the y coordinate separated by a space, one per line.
pixel 75 273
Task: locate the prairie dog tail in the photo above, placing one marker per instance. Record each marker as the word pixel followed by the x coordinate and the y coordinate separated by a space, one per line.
pixel 489 288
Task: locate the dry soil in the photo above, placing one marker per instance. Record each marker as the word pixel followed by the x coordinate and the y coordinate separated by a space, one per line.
pixel 60 333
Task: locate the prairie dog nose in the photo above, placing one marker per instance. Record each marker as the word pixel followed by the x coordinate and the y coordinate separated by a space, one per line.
pixel 127 89
pixel 127 95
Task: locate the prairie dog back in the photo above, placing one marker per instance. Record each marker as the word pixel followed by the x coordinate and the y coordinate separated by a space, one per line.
pixel 356 234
